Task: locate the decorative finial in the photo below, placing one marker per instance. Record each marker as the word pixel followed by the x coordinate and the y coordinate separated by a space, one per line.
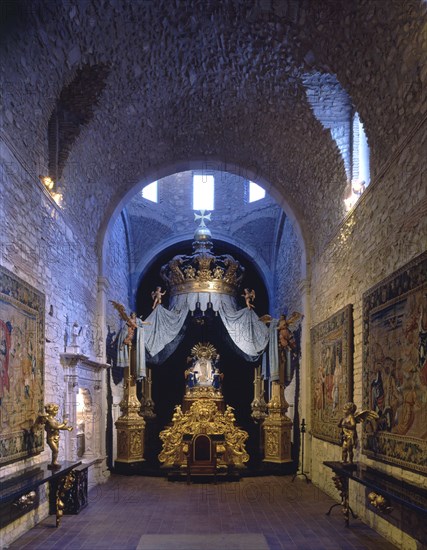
pixel 202 233
pixel 202 217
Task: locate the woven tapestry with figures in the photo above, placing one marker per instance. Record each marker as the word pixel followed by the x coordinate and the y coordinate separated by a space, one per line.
pixel 332 373
pixel 22 310
pixel 395 367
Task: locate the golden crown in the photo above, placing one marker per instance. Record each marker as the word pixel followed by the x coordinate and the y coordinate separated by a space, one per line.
pixel 202 271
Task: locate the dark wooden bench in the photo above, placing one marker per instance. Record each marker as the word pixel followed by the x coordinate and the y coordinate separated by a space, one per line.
pixel 385 495
pixel 19 493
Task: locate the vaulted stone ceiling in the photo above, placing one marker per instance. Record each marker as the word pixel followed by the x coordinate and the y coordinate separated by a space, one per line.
pixel 249 226
pixel 193 80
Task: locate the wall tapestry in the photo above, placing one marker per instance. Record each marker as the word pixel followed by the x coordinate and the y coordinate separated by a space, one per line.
pixel 332 373
pixel 22 310
pixel 395 367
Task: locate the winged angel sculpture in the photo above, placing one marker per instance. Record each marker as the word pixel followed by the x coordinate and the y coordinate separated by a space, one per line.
pixel 348 429
pixel 126 339
pixel 130 320
pixel 285 336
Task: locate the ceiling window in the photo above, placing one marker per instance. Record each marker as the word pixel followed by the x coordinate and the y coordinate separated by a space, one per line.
pixel 150 192
pixel 203 192
pixel 256 192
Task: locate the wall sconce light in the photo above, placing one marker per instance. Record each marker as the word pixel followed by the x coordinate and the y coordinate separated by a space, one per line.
pixel 57 197
pixel 48 182
pixel 358 187
pixel 350 201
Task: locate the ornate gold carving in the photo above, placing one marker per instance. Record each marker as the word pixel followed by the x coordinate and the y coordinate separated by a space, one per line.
pixel 52 427
pixel 271 441
pixel 207 351
pixel 190 273
pixel 203 418
pixel 380 503
pixel 348 428
pixel 25 501
pixel 202 271
pixel 341 483
pixel 277 428
pixel 64 485
pixel 130 425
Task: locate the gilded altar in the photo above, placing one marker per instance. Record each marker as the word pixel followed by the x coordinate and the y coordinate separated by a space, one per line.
pixel 204 413
pixel 204 417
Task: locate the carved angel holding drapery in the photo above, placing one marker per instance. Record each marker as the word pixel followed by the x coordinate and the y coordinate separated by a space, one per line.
pixel 130 333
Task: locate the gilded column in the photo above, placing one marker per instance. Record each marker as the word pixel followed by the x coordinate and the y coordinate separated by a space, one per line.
pixel 277 428
pixel 130 425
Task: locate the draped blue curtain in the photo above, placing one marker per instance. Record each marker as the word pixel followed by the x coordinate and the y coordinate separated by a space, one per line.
pixel 165 329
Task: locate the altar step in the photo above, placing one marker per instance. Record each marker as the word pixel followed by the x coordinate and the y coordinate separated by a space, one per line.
pixel 153 469
pixel 179 475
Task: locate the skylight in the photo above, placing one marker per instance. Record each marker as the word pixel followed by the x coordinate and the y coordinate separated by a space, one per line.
pixel 256 192
pixel 150 192
pixel 203 192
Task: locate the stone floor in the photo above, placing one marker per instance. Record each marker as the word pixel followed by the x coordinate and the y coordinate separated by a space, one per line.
pixel 146 513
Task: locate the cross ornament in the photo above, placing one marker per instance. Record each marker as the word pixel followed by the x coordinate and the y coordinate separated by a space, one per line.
pixel 202 216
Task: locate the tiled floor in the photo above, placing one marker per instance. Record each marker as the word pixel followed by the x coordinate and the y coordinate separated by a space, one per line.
pixel 273 510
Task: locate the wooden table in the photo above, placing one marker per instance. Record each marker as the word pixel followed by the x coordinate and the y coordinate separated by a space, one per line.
pixel 19 493
pixel 385 493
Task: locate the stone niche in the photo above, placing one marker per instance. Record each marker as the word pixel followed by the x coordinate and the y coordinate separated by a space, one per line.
pixel 84 410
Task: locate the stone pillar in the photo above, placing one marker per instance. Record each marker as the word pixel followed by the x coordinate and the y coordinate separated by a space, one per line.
pixel 277 428
pixel 71 380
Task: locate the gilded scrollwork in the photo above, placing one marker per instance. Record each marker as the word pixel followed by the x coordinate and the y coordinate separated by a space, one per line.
pixel 380 503
pixel 203 417
pixel 25 501
pixel 64 486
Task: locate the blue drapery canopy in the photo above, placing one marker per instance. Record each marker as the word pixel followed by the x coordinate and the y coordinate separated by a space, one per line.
pixel 166 327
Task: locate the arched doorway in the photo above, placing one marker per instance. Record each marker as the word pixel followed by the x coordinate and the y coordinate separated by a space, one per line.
pixel 168 382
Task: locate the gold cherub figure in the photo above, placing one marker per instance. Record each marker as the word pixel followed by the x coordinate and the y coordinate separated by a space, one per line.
pixel 52 427
pixel 348 429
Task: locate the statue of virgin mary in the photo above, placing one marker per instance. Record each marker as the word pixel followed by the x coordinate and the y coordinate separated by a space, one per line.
pixel 204 355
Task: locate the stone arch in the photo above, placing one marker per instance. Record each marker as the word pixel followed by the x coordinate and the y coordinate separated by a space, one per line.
pixel 117 205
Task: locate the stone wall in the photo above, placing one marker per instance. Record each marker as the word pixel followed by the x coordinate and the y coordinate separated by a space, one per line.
pixel 41 246
pixel 117 272
pixel 288 272
pixel 386 229
pixel 175 93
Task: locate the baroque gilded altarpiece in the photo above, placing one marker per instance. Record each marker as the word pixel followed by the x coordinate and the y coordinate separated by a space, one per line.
pixel 22 317
pixel 395 367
